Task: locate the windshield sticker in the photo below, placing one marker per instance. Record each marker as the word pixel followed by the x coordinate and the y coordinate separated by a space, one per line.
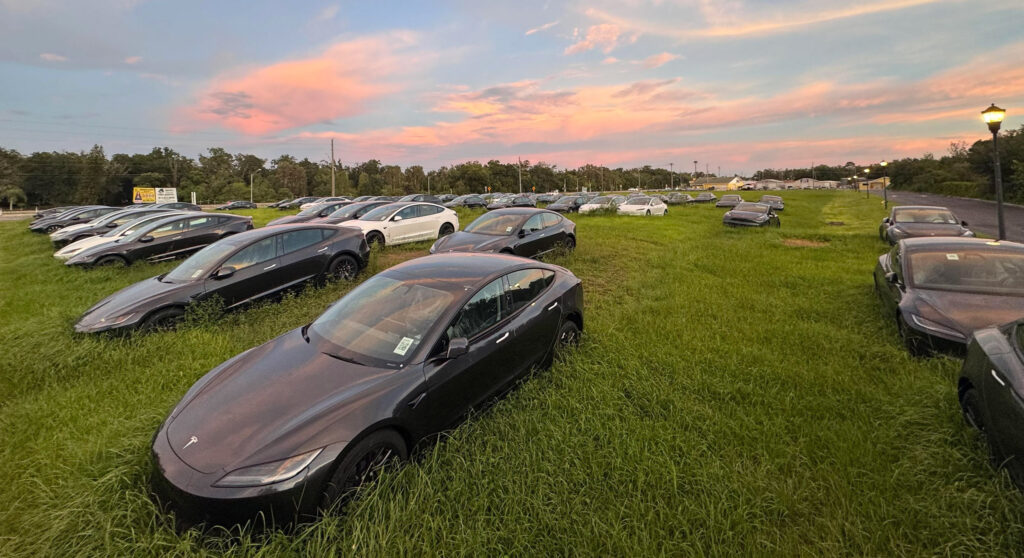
pixel 508 229
pixel 197 273
pixel 952 257
pixel 403 346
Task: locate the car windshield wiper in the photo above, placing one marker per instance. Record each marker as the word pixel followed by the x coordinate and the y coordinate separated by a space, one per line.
pixel 345 358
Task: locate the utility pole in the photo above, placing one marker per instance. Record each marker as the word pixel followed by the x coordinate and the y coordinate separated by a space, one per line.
pixel 250 186
pixel 332 167
pixel 695 170
pixel 719 170
pixel 670 170
pixel 428 184
pixel 520 175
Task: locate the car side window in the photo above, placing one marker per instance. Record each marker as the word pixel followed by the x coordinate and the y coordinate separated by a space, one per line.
pixel 168 229
pixel 1019 331
pixel 894 261
pixel 297 240
pixel 534 224
pixel 253 254
pixel 551 219
pixel 425 210
pixel 486 308
pixel 406 213
pixel 526 285
pixel 200 222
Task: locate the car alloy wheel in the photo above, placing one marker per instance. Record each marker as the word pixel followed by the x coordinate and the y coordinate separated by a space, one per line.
pixel 914 344
pixel 375 239
pixel 343 267
pixel 446 229
pixel 165 319
pixel 111 261
pixel 361 465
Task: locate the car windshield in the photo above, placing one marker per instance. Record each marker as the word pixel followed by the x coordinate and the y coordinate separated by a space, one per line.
pixel 496 224
pixel 137 232
pixel 347 212
pixel 639 201
pixel 312 210
pixel 600 200
pixel 935 216
pixel 379 214
pixel 731 198
pixel 992 271
pixel 132 226
pixel 771 198
pixel 200 263
pixel 752 207
pixel 384 319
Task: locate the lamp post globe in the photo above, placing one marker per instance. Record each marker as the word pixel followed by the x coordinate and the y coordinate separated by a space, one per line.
pixel 993 116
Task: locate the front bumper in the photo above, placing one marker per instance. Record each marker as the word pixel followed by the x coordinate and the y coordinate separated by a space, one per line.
pixel 190 494
pixel 743 223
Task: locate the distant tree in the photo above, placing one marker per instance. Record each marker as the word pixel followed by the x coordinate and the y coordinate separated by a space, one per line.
pixel 12 194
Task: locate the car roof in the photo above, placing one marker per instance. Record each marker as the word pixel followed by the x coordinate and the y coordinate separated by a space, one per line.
pixel 936 207
pixel 955 243
pixel 518 211
pixel 464 268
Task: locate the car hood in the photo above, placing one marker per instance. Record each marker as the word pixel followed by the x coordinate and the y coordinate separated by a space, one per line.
pixel 968 312
pixel 930 229
pixel 267 403
pixel 68 230
pixel 335 220
pixel 291 219
pixel 139 298
pixel 745 215
pixel 470 242
pixel 90 253
pixel 81 245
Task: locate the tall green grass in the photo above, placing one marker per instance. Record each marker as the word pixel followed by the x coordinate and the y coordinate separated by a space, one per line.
pixel 734 394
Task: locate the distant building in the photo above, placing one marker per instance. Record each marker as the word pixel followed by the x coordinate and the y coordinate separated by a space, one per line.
pixel 876 184
pixel 770 184
pixel 810 183
pixel 718 183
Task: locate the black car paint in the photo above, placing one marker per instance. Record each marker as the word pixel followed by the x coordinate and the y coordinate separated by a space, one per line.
pixel 71 217
pixel 892 232
pixel 257 281
pixel 168 247
pixel 568 204
pixel 288 397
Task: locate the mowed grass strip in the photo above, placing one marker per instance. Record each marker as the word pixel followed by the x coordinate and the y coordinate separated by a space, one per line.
pixel 734 394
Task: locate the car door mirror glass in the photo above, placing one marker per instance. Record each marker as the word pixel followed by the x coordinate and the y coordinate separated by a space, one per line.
pixel 224 272
pixel 146 238
pixel 457 347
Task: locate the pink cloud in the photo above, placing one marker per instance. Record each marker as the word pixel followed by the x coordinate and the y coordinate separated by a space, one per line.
pixel 339 82
pixel 659 59
pixel 604 36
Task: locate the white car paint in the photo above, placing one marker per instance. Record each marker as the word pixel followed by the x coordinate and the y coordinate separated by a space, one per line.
pixel 612 204
pixel 643 206
pixel 406 222
pixel 79 245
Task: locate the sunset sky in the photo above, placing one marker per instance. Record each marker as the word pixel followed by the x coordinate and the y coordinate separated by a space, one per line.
pixel 735 84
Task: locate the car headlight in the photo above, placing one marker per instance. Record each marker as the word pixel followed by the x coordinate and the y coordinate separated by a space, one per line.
pixel 936 327
pixel 268 473
pixel 120 319
pixel 967 233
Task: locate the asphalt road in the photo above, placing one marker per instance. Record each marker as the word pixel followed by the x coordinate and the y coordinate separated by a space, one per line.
pixel 979 214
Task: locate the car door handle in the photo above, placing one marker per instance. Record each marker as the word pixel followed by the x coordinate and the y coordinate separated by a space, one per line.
pixel 998 379
pixel 553 306
pixel 503 337
pixel 269 267
pixel 324 249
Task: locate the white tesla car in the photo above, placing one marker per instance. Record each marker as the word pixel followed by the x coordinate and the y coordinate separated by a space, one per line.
pixel 643 206
pixel 124 230
pixel 601 203
pixel 402 222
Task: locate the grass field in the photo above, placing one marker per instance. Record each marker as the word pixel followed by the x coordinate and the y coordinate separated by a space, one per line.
pixel 737 392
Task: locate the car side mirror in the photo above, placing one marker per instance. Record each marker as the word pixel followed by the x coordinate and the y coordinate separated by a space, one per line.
pixel 892 278
pixel 111 225
pixel 146 238
pixel 522 233
pixel 963 223
pixel 886 220
pixel 224 272
pixel 457 347
pixel 396 218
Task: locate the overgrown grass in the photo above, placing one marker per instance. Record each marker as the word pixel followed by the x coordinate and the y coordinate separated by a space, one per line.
pixel 735 394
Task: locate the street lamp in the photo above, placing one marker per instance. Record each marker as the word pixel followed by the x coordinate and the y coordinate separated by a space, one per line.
pixel 885 184
pixel 867 183
pixel 993 116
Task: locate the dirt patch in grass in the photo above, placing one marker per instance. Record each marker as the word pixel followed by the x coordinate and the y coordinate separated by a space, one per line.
pixel 804 243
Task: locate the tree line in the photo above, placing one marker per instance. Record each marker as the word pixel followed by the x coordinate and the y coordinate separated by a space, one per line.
pixel 59 178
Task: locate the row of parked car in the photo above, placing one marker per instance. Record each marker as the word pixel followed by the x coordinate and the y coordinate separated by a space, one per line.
pixel 949 292
pixel 296 425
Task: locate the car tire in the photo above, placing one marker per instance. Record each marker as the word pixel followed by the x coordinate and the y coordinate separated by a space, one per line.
pixel 568 335
pixel 343 267
pixel 569 244
pixel 914 345
pixel 374 238
pixel 111 261
pixel 648 213
pixel 52 229
pixel 165 319
pixel 446 229
pixel 970 405
pixel 360 465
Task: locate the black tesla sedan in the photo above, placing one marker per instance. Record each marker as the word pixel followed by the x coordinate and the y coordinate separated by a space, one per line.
pixel 749 214
pixel 297 202
pixel 70 217
pixel 526 232
pixel 238 205
pixel 705 197
pixel 101 225
pixel 165 239
pixel 511 201
pixel 468 200
pixel 774 202
pixel 991 393
pixel 729 200
pixel 568 204
pixel 909 221
pixel 238 269
pixel 318 211
pixel 297 424
pixel 176 206
pixel 421 198
pixel 939 290
pixel 351 211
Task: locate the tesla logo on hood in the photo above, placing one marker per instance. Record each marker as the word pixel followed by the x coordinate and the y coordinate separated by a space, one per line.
pixel 191 441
